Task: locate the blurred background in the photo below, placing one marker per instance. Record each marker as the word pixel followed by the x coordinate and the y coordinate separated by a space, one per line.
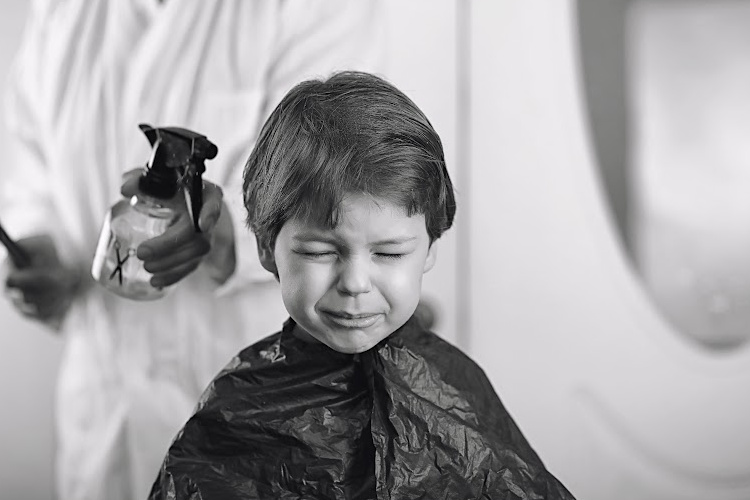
pixel 598 269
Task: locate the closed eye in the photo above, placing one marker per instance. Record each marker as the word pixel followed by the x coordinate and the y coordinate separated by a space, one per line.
pixel 390 256
pixel 315 255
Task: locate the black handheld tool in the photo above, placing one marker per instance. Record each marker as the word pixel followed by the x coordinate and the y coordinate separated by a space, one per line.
pixel 17 254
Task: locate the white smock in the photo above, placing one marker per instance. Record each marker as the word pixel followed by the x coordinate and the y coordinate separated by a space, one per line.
pixel 88 72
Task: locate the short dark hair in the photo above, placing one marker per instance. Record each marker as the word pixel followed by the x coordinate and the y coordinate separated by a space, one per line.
pixel 351 133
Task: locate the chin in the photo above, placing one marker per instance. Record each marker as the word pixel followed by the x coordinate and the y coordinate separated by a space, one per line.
pixel 358 345
pixel 350 348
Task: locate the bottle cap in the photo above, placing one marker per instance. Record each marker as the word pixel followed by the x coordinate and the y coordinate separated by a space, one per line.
pixel 178 157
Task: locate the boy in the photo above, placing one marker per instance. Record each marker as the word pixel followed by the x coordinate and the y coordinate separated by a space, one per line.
pixel 347 191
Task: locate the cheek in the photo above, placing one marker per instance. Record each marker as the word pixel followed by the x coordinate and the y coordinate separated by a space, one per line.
pixel 403 284
pixel 302 284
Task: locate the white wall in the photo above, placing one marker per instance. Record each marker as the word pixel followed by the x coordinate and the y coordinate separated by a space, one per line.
pixel 422 63
pixel 618 403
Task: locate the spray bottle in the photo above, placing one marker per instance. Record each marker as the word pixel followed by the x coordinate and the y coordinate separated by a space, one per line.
pixel 177 163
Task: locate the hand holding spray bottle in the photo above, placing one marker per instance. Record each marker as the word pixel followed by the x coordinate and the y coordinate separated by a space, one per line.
pixel 177 162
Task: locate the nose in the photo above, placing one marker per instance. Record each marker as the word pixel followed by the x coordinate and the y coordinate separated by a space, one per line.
pixel 354 277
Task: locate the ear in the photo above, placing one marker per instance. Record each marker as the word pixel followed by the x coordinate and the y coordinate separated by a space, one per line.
pixel 431 256
pixel 267 259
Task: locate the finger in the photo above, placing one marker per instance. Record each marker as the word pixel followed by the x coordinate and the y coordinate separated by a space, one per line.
pixel 41 280
pixel 175 274
pixel 44 306
pixel 129 185
pixel 176 236
pixel 14 294
pixel 50 309
pixel 33 280
pixel 213 203
pixel 38 298
pixel 194 249
pixel 27 308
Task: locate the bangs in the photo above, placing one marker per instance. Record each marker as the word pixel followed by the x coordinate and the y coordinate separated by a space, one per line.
pixel 320 183
pixel 317 194
pixel 353 134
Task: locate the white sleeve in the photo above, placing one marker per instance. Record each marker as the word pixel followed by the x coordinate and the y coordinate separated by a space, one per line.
pixel 24 180
pixel 314 38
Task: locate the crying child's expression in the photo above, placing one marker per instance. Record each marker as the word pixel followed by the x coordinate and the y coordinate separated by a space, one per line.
pixel 351 286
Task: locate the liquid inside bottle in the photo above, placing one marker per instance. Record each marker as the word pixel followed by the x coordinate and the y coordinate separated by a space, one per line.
pixel 128 224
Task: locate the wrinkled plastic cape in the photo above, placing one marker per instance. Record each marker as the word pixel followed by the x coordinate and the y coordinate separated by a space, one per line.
pixel 412 417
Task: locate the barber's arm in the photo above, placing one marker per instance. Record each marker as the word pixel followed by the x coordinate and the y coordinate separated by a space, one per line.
pixel 44 289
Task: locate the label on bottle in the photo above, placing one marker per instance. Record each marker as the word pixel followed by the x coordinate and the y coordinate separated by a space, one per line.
pixel 121 256
pixel 116 265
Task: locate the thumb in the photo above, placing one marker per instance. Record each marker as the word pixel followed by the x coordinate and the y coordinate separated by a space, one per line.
pixel 212 206
pixel 129 185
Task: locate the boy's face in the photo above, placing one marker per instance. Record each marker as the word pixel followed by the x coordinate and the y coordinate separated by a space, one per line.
pixel 352 286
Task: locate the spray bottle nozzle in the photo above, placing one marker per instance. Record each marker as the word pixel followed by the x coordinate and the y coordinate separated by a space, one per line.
pixel 178 158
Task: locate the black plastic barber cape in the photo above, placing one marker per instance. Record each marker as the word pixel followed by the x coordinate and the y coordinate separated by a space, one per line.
pixel 411 418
